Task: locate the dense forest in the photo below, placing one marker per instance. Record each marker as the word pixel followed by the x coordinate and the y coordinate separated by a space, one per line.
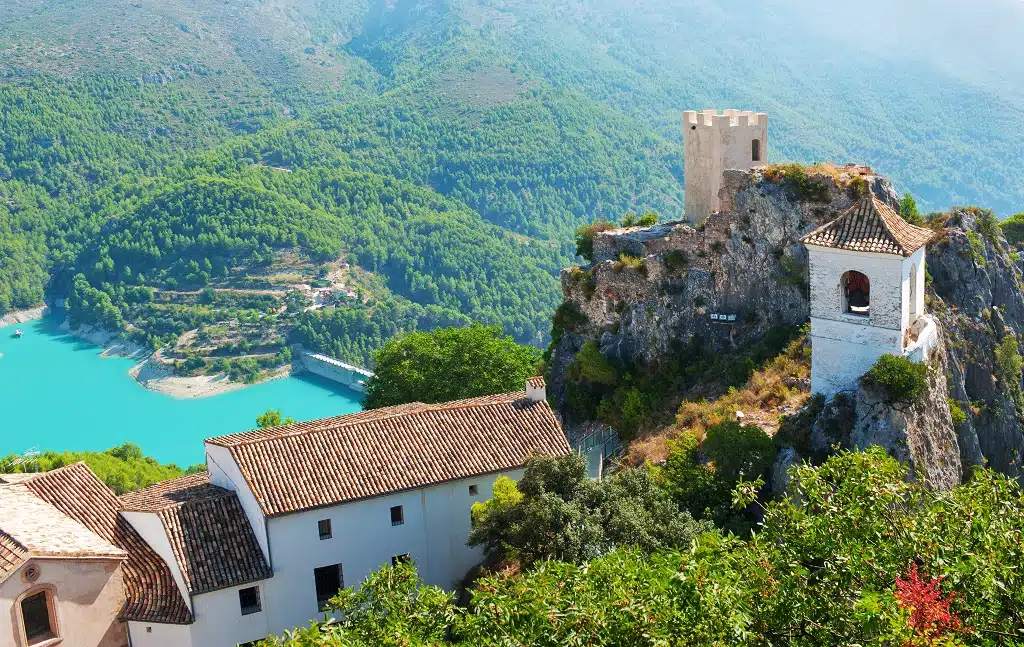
pixel 861 556
pixel 176 175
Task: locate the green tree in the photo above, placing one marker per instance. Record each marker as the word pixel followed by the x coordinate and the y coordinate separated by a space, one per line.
pixel 449 364
pixel 392 608
pixel 123 468
pixel 908 210
pixel 557 512
pixel 1013 228
pixel 272 418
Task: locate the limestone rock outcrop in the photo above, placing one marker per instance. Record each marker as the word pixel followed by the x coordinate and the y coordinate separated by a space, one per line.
pixel 976 285
pixel 654 289
pixel 745 264
pixel 919 434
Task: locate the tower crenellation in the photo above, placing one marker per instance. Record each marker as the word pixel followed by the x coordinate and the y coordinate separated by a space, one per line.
pixel 715 142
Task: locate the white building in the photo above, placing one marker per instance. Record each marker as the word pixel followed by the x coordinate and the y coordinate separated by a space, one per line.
pixel 714 143
pixel 282 520
pixel 867 294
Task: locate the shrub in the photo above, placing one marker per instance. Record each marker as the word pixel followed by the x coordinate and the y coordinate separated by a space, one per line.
pixel 899 379
pixel 649 219
pixel 1008 362
pixel 957 413
pixel 988 225
pixel 585 238
pixel 568 316
pixel 675 260
pixel 593 365
pixel 1013 228
pixel 630 262
pixel 739 451
pixel 796 181
pixel 977 248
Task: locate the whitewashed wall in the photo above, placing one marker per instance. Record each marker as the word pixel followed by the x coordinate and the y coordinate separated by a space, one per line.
pixel 845 346
pixel 152 530
pixel 151 634
pixel 225 473
pixel 437 525
pixel 219 620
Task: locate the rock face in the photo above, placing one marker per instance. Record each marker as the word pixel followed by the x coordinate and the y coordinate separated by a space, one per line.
pixel 746 265
pixel 652 289
pixel 977 295
pixel 919 434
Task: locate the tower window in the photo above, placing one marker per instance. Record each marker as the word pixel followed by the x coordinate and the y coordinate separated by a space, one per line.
pixel 755 150
pixel 856 293
pixel 397 517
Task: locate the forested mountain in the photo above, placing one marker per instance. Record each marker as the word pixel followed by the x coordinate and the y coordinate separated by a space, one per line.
pixel 189 160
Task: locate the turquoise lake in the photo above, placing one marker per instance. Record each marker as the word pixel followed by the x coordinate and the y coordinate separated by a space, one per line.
pixel 56 392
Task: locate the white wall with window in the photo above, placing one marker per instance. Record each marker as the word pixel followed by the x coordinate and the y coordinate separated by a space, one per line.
pixel 429 526
pixel 223 618
pixel 63 602
pixel 862 305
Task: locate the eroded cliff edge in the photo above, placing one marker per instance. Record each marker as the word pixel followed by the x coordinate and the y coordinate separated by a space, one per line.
pixel 742 274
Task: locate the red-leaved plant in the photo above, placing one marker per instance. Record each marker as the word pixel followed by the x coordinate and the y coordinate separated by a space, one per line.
pixel 930 616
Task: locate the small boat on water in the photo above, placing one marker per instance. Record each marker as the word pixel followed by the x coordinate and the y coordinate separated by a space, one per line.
pixel 18 333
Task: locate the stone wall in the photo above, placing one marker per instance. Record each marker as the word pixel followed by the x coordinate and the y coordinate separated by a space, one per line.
pixel 335 370
pixel 712 144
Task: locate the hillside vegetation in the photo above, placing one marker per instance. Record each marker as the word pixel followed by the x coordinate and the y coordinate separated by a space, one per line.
pixel 176 168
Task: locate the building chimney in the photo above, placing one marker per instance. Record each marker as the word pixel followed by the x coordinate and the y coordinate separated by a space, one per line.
pixel 536 390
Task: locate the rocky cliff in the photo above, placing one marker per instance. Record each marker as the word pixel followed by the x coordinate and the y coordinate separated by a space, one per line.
pixel 975 289
pixel 728 282
pixel 650 289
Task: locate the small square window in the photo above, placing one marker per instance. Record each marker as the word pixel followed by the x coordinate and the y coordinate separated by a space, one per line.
pixel 249 600
pixel 404 558
pixel 397 516
pixel 325 529
pixel 473 490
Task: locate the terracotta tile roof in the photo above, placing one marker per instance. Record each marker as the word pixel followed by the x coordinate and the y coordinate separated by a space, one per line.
pixel 160 496
pixel 326 462
pixel 152 595
pixel 12 555
pixel 41 530
pixel 536 382
pixel 209 533
pixel 870 226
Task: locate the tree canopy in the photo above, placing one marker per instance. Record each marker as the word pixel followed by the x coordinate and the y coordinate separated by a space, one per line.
pixel 449 364
pixel 858 555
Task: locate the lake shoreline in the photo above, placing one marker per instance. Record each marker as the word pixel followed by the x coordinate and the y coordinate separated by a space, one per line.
pixel 155 373
pixel 59 393
pixel 25 315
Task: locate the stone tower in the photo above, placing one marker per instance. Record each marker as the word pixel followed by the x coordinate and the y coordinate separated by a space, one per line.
pixel 867 294
pixel 714 143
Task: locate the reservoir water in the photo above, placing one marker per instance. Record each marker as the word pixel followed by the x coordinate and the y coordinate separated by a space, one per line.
pixel 56 392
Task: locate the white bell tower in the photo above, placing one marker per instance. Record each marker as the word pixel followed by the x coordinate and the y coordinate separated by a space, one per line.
pixel 867 294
